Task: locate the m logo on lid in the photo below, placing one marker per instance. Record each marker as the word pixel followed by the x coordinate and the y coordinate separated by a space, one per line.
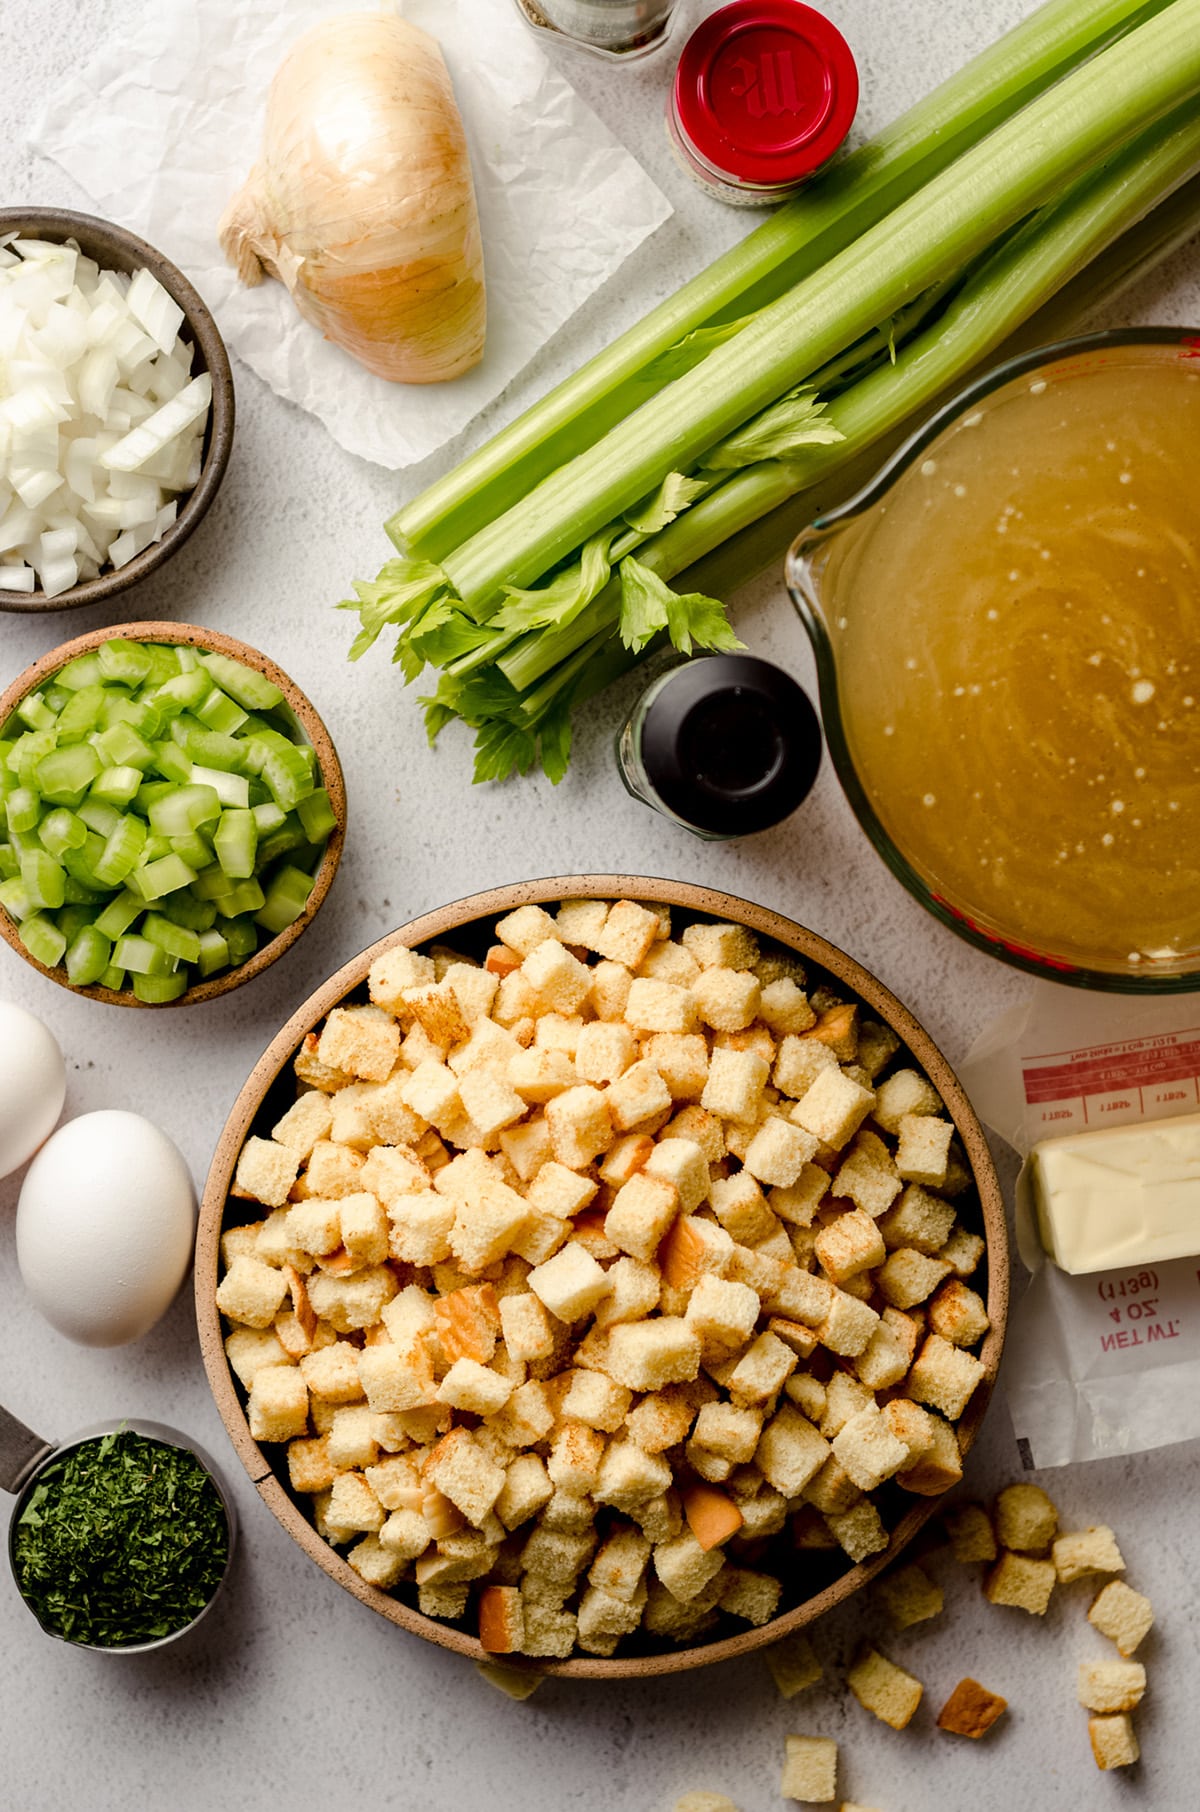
pixel 767 84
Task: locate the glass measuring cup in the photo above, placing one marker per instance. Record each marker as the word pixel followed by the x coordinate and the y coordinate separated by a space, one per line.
pixel 826 576
pixel 24 1456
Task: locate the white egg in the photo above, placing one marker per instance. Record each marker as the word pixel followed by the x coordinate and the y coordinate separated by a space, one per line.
pixel 33 1084
pixel 105 1224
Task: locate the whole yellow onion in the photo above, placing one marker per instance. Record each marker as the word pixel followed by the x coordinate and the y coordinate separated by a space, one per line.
pixel 362 202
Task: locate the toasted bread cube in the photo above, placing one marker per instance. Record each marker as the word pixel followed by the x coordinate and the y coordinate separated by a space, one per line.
pixel 723 1314
pixel 790 1451
pixel 778 1152
pixel 972 1537
pixel 1085 1551
pixel 538 1075
pixel 669 962
pixel 918 1220
pixel 971 1710
pixel 729 1431
pixel 727 999
pixel 794 1667
pixel 580 922
pixel 611 983
pixel 663 1418
pixel 848 1326
pixel 944 1377
pixel 736 1080
pixel 375 1564
pixel 659 1006
pixel 526 928
pixel 393 973
pixel 462 1472
pixel 351 1442
pixel 681 1162
pixel 784 1007
pixel 885 1689
pixel 526 1490
pixel 884 1360
pixel 810 1769
pixel 798 1064
pixel 309 1466
pixel 250 1292
pixel 721 946
pixel 468 1323
pixel 353 1302
pixel 527 1417
pixel 580 1125
pixel 868 1177
pixel 682 1060
pixel 242 1242
pixel 958 1314
pixel 559 980
pixel 364 1227
pixel 833 1108
pixel 797 1204
pixel 249 1349
pixel 620 1564
pixel 752 1596
pixel 832 1491
pixel 962 1252
pixel 421 1226
pixel 624 1158
pixel 645 1355
pixel 571 1283
pixel 1114 1744
pixel 332 1372
pixel 634 1290
pixel 596 1401
pixel 845 1396
pixel 637 1095
pixel 704 1802
pixel 1021 1582
pixel 904 1093
pixel 859 1530
pixel 603 1620
pixel 848 1245
pixel 488 1227
pixel 432 1092
pixel 278 1403
pixel 762 1369
pixel 868 1450
pixel 474 990
pixel 642 1214
pixel 489 1102
pixel 607 1048
pixel 394 1380
pixel 910 1596
pixel 805 1391
pixel 266 1171
pixel 387 1172
pixel 528 1333
pixel 394 1480
pixel 1026 1519
pixel 741 1208
pixel 469 1385
pixel 449 1602
pixel 557 1559
pixel 1123 1615
pixel 693 1248
pixel 501 1620
pixel 362 1041
pixel 313 1073
pixel 417 1047
pixel 307 1120
pixel 1111 1686
pixel 527 1147
pixel 627 934
pixel 909 1277
pixel 630 1477
pixel 574 1461
pixel 940 1464
pixel 684 1567
pixel 923 1148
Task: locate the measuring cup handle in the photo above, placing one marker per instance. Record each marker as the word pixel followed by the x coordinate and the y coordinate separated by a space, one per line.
pixel 21 1450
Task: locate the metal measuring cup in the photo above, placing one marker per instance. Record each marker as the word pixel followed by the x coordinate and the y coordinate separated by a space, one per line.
pixel 23 1457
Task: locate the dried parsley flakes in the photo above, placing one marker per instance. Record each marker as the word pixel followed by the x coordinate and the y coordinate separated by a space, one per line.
pixel 123 1540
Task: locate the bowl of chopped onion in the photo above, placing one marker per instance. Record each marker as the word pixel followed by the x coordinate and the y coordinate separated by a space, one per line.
pixel 172 812
pixel 115 440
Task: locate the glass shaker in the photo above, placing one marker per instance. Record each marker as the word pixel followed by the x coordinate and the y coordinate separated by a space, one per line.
pixel 616 28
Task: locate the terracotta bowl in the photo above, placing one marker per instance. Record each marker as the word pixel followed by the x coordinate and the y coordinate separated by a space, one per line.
pixel 214 642
pixel 115 249
pixel 466 924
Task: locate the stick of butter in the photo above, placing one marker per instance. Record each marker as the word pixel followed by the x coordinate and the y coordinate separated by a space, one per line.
pixel 1123 1195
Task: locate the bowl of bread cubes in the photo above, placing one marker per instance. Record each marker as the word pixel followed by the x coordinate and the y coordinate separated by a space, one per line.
pixel 602 1273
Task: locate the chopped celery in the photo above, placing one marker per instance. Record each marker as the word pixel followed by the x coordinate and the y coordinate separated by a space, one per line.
pixel 121 746
pixel 317 815
pixel 72 918
pixel 231 789
pixel 87 956
pixel 214 952
pixel 64 776
pixel 35 713
pixel 113 978
pixel 122 848
pixel 45 879
pixel 124 661
pixel 116 786
pixel 164 663
pixel 195 848
pixel 155 879
pixel 242 897
pixel 83 671
pixel 60 830
pixel 156 990
pixel 42 938
pixel 289 776
pixel 28 751
pixel 100 816
pixel 183 908
pixel 184 692
pixel 14 897
pixel 176 940
pixel 80 714
pixel 174 763
pixel 80 864
pixel 74 892
pixel 235 843
pixel 209 747
pixel 253 690
pixel 240 936
pixel 268 817
pixel 141 957
pixel 23 808
pixel 290 836
pixel 154 848
pixel 120 913
pixel 286 899
pixel 219 712
pixel 9 862
pixel 184 809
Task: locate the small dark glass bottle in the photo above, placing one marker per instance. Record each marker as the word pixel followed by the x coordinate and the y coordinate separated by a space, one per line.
pixel 724 744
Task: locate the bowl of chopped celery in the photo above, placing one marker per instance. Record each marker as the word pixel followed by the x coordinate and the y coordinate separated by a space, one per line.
pixel 173 811
pixel 121 428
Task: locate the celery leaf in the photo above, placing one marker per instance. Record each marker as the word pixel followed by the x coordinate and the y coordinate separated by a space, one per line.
pixel 399 592
pixel 649 606
pixel 662 506
pixel 795 420
pixel 501 748
pixel 687 353
pixel 557 604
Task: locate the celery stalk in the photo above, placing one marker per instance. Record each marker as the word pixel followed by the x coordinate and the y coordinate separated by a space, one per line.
pixel 1021 165
pixel 827 216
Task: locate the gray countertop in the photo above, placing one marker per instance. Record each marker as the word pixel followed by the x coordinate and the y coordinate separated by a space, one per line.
pixel 291 1692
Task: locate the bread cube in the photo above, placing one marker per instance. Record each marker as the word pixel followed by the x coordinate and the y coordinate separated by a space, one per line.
pixel 721 946
pixel 645 1355
pixel 580 1126
pixel 910 1596
pixel 923 1148
pixel 363 1226
pixel 1021 1582
pixel 684 1567
pixel 778 1152
pixel 636 1096
pixel 627 934
pixel 361 1041
pixel 596 1401
pixel 610 989
pixel 908 1277
pixel 386 1172
pixel 918 1220
pixel 620 1565
pixel 432 1091
pixel 751 1596
pixel 278 1403
pixel 538 1075
pixel 723 1314
pixel 962 1252
pixel 682 1163
pixel 971 1710
pixel 448 1603
pixel 958 1314
pixel 634 1290
pixel 663 1417
pixel 527 1417
pixel 797 1204
pixel 681 1059
pixel 659 1006
pixel 527 1147
pixel 784 1007
pixel 574 1460
pixel 762 1369
pixel 735 1083
pixel 469 1385
pixel 848 1326
pixel 905 1092
pixel 336 1170
pixel 642 1214
pixel 790 1451
pixel 868 1450
pixel 266 1171
pixel 1114 1744
pixel 810 1769
pixel 570 1284
pixel 395 1381
pixel 885 1689
pixel 868 1176
pixel 462 1472
pixel 972 1537
pixel 528 1333
pixel 730 1431
pixel 487 1227
pixel 1111 1686
pixel 489 1102
pixel 602 1620
pixel 944 1377
pixel 1085 1551
pixel 884 1360
pixel 308 1119
pixel 833 1108
pixel 741 1208
pixel 526 928
pixel 859 1531
pixel 848 1245
pixel 939 1466
pixel 351 1443
pixel 526 1490
pixel 332 1372
pixel 606 1050
pixel 309 1466
pixel 726 999
pixel 1026 1519
pixel 630 1477
pixel 669 962
pixel 793 1664
pixel 1123 1615
pixel 421 1226
pixel 248 1350
pixel 250 1292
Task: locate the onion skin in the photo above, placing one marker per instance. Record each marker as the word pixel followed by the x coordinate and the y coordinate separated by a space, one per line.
pixel 363 204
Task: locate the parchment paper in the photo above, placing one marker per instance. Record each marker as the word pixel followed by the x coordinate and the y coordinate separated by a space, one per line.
pixel 1109 1362
pixel 162 130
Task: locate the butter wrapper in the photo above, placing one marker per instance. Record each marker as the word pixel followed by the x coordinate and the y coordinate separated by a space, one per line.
pixel 1103 1351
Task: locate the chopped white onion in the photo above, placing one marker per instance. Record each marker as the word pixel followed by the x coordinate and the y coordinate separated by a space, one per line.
pixel 101 422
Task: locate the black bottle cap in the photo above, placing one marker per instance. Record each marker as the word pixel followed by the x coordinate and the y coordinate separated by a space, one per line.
pixel 730 744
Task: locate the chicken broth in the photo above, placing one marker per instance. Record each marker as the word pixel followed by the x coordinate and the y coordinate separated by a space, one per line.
pixel 1019 667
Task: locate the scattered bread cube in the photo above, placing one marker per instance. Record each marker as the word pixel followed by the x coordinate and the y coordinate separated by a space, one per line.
pixel 810 1770
pixel 1026 1520
pixel 971 1534
pixel 971 1710
pixel 1021 1582
pixel 1114 1744
pixel 1079 1552
pixel 885 1689
pixel 1110 1686
pixel 794 1665
pixel 1123 1615
pixel 910 1596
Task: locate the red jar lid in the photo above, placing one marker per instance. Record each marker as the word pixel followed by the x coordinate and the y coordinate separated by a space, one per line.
pixel 766 91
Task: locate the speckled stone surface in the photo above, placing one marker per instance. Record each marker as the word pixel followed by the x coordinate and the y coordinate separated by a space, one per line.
pixel 292 1694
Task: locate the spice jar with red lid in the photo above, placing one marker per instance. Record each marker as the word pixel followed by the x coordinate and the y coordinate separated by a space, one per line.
pixel 764 94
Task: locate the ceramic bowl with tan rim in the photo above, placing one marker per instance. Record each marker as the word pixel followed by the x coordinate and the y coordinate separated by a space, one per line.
pixel 813 1582
pixel 305 716
pixel 115 249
